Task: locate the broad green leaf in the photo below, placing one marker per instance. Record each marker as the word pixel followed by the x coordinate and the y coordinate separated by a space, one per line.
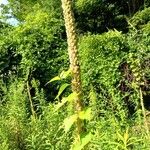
pixel 62 88
pixel 86 114
pixel 68 122
pixel 84 141
pixel 65 74
pixel 53 79
pixel 71 97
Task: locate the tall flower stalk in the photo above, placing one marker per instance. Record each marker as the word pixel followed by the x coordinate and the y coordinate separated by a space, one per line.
pixel 73 57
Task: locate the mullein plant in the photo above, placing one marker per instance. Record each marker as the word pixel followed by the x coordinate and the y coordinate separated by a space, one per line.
pixel 74 60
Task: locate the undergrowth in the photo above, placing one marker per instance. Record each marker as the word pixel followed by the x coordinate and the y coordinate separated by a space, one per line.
pixel 116 79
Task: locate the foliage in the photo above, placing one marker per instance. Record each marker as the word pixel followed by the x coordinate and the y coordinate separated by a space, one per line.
pixel 37 113
pixel 101 58
pixel 19 9
pixel 22 131
pixel 110 14
pixel 32 47
pixel 141 18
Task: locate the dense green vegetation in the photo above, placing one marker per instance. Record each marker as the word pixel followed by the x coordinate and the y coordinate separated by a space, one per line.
pixel 36 100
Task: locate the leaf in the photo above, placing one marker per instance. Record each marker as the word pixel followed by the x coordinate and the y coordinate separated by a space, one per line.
pixel 86 114
pixel 53 79
pixel 65 74
pixel 117 144
pixel 126 136
pixel 60 104
pixel 70 98
pixel 84 141
pixel 133 140
pixel 120 137
pixel 68 122
pixel 62 88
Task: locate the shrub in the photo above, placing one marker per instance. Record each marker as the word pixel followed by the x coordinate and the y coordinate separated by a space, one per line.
pixel 101 58
pixel 141 18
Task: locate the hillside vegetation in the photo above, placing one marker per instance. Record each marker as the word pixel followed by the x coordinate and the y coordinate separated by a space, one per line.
pixel 38 106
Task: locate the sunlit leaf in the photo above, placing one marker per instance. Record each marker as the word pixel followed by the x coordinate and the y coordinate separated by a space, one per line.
pixel 68 122
pixel 65 74
pixel 86 114
pixel 84 141
pixel 60 104
pixel 53 79
pixel 70 98
pixel 120 137
pixel 126 136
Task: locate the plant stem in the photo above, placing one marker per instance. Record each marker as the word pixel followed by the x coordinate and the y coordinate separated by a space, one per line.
pixel 73 57
pixel 30 99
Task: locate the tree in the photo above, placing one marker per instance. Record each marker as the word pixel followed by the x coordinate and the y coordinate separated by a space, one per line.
pixel 19 9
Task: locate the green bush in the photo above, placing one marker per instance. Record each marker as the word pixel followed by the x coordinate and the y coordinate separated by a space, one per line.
pixel 141 18
pixel 101 58
pixel 114 65
pixel 36 48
